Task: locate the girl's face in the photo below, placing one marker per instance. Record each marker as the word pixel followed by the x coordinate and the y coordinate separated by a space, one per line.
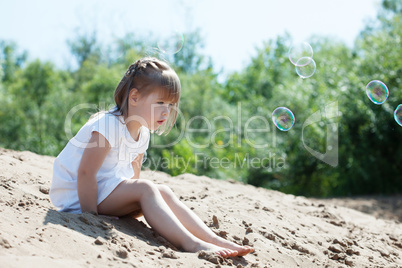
pixel 152 111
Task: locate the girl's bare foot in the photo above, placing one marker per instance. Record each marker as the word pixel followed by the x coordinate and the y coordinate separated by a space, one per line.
pixel 224 252
pixel 241 250
pixel 245 250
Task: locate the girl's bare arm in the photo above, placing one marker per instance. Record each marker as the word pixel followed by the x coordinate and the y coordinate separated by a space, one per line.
pixel 137 163
pixel 92 159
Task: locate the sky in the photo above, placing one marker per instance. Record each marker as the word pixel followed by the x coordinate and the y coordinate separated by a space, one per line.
pixel 231 29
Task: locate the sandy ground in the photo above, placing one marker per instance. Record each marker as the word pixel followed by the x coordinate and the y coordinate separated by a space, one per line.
pixel 382 207
pixel 285 230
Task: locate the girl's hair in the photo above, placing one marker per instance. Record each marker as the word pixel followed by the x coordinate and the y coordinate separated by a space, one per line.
pixel 149 75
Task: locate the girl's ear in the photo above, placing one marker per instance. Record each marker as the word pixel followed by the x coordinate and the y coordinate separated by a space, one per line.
pixel 133 97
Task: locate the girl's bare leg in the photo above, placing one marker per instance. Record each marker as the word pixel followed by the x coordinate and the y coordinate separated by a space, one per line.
pixel 195 225
pixel 124 200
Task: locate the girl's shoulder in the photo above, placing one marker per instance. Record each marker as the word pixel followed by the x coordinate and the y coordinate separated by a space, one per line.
pixel 102 115
pixel 145 132
pixel 107 124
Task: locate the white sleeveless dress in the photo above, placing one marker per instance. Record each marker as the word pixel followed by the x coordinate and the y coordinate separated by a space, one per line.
pixel 115 169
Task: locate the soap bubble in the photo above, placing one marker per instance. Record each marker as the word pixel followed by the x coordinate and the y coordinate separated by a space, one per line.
pixel 305 67
pixel 171 43
pixel 300 50
pixel 398 114
pixel 283 118
pixel 377 91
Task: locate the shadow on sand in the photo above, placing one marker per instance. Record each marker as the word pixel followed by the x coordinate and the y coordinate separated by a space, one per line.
pixel 109 228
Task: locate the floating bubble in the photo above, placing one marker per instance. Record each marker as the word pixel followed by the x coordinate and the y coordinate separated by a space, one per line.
pixel 305 67
pixel 377 91
pixel 398 114
pixel 283 118
pixel 171 43
pixel 300 50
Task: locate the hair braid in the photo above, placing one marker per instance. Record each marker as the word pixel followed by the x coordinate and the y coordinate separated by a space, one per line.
pixel 141 65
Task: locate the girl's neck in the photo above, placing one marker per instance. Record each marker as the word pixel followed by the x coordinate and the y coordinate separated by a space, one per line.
pixel 134 128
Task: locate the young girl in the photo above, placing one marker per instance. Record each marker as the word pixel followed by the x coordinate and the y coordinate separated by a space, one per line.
pixel 98 170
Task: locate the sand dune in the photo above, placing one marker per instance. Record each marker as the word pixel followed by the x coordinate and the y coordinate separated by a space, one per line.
pixel 285 230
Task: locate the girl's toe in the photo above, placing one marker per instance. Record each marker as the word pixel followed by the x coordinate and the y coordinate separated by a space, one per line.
pixel 250 249
pixel 222 253
pixel 228 253
pixel 234 253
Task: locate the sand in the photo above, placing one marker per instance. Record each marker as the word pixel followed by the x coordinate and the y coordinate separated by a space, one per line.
pixel 285 230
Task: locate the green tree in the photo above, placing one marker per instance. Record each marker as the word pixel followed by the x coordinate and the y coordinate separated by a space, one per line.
pixel 84 47
pixel 11 60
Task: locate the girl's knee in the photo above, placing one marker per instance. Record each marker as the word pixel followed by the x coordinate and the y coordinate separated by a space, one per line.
pixel 147 186
pixel 165 191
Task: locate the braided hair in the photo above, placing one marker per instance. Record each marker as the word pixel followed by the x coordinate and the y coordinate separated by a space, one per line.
pixel 147 75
